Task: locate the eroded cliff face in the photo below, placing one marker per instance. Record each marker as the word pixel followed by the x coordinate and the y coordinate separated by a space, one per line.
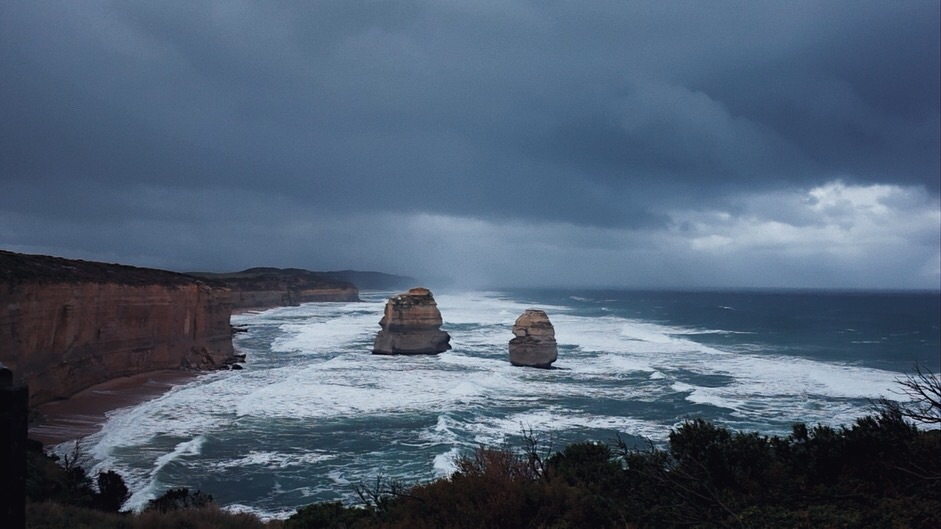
pixel 67 325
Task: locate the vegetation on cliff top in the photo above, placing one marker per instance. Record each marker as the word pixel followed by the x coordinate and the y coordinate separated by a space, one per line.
pixel 17 268
pixel 337 279
pixel 267 277
pixel 275 287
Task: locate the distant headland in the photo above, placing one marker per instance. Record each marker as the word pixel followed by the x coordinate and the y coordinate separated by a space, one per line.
pixel 67 324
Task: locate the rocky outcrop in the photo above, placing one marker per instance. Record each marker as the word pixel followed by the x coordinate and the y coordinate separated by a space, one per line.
pixel 411 324
pixel 534 343
pixel 262 288
pixel 66 325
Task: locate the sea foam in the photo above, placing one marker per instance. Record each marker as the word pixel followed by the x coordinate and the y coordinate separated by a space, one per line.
pixel 316 411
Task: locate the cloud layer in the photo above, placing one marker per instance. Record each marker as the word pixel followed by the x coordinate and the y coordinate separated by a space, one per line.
pixel 493 143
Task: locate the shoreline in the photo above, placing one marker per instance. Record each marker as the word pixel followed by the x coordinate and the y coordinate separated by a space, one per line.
pixel 85 413
pixel 253 310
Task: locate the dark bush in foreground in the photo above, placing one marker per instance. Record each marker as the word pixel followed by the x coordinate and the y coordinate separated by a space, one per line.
pixel 112 492
pixel 327 515
pixel 53 515
pixel 56 515
pixel 205 517
pixel 63 480
pixel 60 495
pixel 177 499
pixel 879 472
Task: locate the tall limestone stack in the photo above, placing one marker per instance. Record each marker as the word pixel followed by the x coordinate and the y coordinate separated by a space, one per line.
pixel 534 343
pixel 411 325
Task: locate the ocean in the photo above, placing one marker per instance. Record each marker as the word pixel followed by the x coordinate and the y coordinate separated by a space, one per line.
pixel 313 412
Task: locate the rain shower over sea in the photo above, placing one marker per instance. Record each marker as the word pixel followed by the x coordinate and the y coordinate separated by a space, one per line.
pixel 314 412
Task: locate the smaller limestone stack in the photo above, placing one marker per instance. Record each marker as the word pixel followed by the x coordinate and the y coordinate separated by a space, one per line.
pixel 411 325
pixel 534 344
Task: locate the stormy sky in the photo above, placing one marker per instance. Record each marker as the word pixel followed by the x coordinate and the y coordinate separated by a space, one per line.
pixel 480 143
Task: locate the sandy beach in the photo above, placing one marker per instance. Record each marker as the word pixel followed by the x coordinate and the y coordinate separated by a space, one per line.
pixel 85 412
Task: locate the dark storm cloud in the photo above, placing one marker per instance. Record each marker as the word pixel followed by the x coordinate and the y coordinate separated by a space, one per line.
pixel 596 114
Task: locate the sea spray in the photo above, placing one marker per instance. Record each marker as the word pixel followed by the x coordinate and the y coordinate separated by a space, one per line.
pixel 314 412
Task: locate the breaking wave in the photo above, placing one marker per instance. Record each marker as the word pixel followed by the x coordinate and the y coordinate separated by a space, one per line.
pixel 313 411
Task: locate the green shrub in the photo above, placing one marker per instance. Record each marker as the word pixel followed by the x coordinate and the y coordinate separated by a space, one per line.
pixel 327 515
pixel 56 515
pixel 588 464
pixel 112 492
pixel 204 517
pixel 178 499
pixel 63 480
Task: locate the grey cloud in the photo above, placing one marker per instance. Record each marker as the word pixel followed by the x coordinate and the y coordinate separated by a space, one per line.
pixel 592 114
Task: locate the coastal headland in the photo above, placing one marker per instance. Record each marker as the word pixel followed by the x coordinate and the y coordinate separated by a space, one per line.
pixel 265 287
pixel 66 325
pixel 88 337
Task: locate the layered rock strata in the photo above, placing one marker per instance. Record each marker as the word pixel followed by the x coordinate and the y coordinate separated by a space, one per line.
pixel 66 325
pixel 411 324
pixel 261 288
pixel 534 342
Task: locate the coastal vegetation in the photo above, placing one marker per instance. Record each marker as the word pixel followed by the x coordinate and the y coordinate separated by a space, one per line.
pixel 881 471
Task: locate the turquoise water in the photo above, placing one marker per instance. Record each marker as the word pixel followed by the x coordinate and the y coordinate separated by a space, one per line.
pixel 313 412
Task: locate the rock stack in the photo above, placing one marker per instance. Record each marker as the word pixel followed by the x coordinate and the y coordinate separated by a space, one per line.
pixel 534 343
pixel 411 325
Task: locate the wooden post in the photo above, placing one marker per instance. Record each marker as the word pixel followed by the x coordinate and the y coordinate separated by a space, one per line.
pixel 14 415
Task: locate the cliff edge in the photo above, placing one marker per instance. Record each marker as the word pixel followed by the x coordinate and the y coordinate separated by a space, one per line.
pixel 262 288
pixel 66 325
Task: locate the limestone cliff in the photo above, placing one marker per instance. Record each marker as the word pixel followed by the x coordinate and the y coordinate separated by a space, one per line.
pixel 259 288
pixel 533 344
pixel 411 324
pixel 66 325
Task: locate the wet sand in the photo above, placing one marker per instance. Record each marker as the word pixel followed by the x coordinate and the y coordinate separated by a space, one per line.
pixel 85 412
